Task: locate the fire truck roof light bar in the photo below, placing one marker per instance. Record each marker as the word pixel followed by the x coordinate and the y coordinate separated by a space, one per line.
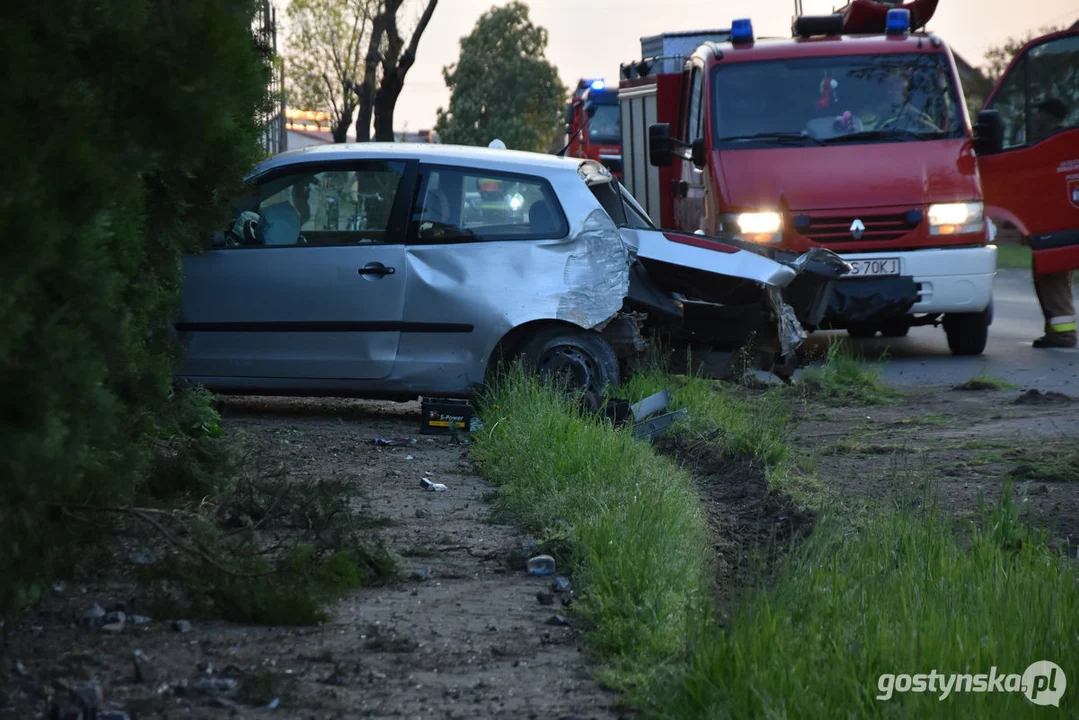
pixel 742 31
pixel 897 21
pixel 598 85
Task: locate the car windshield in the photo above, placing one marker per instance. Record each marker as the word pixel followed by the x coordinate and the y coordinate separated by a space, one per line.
pixel 620 205
pixel 836 100
pixel 605 126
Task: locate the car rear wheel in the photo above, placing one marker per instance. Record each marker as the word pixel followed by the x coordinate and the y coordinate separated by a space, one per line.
pixel 967 332
pixel 581 358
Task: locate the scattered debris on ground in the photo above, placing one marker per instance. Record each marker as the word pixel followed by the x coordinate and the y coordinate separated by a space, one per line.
pixel 461 635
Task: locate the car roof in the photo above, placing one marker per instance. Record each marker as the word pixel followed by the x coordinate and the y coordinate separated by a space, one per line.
pixel 460 155
pixel 825 46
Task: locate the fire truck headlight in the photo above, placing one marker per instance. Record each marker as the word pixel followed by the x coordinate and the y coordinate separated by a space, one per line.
pixel 760 226
pixel 956 218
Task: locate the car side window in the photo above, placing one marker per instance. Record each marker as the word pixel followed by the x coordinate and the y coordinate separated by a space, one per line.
pixel 332 206
pixel 465 206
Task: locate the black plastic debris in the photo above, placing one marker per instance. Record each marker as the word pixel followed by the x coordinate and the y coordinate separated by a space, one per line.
pixel 394 442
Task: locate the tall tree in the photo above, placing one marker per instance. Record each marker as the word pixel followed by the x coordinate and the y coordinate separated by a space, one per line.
pixel 348 57
pixel 325 62
pixel 503 86
pixel 396 61
pixel 999 56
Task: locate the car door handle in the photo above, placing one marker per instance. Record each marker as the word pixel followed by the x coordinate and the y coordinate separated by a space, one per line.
pixel 376 268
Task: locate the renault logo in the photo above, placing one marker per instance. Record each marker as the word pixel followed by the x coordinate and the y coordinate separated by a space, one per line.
pixel 857 228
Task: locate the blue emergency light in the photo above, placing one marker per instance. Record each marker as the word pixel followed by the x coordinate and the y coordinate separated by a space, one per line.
pixel 897 21
pixel 742 30
pixel 598 85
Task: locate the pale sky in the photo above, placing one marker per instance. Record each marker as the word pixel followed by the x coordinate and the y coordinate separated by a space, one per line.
pixel 590 38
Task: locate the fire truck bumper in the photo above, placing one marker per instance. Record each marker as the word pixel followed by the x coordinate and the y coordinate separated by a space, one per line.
pixel 914 282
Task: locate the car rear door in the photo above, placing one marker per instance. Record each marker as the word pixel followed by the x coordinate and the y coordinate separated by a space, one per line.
pixel 1033 181
pixel 317 291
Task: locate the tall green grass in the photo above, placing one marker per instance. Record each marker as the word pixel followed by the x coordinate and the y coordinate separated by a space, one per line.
pixel 745 425
pixel 638 536
pixel 899 593
pixel 906 594
pixel 846 378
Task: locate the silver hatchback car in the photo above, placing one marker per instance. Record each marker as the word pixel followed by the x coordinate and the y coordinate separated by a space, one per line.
pixel 394 270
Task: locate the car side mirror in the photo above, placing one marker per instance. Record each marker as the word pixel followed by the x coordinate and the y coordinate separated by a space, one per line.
pixel 696 152
pixel 988 133
pixel 659 144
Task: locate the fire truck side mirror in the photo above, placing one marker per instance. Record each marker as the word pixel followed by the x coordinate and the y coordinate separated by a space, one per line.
pixel 988 133
pixel 569 114
pixel 659 144
pixel 697 154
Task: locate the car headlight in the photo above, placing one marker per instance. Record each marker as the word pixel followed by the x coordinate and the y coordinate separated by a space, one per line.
pixel 956 218
pixel 759 226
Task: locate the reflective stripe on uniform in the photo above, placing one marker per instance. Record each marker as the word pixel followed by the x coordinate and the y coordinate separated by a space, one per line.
pixel 1062 323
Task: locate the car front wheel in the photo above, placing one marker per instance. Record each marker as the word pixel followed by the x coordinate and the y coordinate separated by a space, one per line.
pixel 584 359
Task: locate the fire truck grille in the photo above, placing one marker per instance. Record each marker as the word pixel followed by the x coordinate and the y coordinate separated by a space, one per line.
pixel 839 229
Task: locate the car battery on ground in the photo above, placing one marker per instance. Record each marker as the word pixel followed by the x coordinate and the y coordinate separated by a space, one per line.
pixel 443 416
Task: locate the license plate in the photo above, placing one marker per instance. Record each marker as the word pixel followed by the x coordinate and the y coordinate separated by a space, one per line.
pixel 874 267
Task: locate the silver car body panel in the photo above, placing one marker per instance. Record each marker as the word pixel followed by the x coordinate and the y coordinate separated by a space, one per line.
pixel 432 326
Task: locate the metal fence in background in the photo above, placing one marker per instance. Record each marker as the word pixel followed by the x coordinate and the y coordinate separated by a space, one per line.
pixel 272 122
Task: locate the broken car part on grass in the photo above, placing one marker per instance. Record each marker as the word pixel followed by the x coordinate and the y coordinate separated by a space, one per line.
pixel 391 271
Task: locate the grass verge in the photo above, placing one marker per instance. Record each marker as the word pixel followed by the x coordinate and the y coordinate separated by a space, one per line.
pixel 899 593
pixel 742 424
pixel 845 378
pixel 1013 256
pixel 903 595
pixel 637 537
pixel 985 382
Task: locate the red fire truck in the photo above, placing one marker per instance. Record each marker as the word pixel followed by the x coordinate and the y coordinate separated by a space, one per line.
pixel 853 134
pixel 594 126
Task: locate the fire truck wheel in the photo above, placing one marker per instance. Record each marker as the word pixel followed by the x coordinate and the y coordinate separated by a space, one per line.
pixel 583 358
pixel 967 332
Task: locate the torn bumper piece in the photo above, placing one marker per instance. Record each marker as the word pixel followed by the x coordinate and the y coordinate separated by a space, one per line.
pixel 869 300
pixel 646 424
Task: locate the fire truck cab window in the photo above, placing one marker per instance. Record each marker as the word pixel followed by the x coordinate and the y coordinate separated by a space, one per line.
pixel 847 99
pixel 692 124
pixel 605 126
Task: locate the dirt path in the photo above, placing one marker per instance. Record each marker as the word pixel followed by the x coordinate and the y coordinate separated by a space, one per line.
pixel 463 636
pixel 964 445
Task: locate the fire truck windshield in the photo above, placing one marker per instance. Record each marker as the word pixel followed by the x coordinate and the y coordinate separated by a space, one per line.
pixel 605 126
pixel 835 100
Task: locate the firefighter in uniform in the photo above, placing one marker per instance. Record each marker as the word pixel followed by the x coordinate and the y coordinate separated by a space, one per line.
pixel 1054 289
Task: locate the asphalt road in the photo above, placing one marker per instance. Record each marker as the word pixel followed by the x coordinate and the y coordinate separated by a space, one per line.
pixel 923 358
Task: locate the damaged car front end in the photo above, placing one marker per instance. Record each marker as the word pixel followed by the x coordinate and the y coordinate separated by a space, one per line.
pixel 394 270
pixel 720 293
